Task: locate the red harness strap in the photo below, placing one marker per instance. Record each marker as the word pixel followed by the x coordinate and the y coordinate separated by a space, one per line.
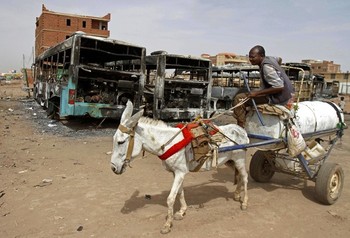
pixel 181 144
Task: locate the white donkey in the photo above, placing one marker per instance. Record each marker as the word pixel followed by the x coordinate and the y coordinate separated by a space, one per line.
pixel 136 133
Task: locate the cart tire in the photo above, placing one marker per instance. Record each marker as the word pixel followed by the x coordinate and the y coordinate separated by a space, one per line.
pixel 260 169
pixel 329 183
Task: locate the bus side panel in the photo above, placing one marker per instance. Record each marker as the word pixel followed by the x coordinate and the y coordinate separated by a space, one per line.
pixel 91 109
pixel 65 108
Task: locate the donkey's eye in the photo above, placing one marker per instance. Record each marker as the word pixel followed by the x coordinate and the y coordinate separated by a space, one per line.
pixel 121 142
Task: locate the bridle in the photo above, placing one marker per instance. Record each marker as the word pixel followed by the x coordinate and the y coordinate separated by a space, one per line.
pixel 131 133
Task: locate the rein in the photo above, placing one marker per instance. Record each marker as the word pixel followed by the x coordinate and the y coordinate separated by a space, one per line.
pixel 244 100
pixel 131 133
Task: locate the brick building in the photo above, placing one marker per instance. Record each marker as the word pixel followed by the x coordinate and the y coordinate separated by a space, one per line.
pixel 322 67
pixel 53 27
pixel 330 71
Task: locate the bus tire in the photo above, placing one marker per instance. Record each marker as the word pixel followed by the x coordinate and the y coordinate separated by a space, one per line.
pixel 260 168
pixel 329 183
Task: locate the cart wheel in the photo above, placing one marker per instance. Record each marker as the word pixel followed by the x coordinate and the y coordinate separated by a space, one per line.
pixel 260 169
pixel 329 183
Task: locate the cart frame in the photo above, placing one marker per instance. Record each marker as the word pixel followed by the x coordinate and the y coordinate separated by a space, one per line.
pixel 329 177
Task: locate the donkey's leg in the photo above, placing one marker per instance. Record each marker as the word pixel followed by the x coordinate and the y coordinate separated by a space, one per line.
pixel 237 192
pixel 237 180
pixel 243 180
pixel 179 215
pixel 178 180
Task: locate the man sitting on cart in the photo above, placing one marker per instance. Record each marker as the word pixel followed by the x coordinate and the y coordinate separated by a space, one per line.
pixel 276 87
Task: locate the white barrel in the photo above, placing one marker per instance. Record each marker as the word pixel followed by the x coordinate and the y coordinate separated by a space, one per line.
pixel 311 116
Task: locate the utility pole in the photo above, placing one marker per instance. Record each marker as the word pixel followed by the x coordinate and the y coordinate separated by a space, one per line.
pixel 347 81
pixel 25 75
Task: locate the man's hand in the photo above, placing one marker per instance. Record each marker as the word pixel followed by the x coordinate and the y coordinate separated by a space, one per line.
pixel 252 94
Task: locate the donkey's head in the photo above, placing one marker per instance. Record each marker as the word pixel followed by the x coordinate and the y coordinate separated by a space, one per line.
pixel 123 139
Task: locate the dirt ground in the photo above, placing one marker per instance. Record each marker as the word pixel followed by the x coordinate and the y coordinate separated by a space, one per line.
pixel 56 181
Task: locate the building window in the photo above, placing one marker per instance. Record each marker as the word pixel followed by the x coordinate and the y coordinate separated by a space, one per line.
pixel 332 76
pixel 346 76
pixel 84 24
pixel 68 22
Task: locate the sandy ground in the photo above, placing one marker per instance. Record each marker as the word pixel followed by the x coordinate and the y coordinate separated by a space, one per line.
pixel 56 181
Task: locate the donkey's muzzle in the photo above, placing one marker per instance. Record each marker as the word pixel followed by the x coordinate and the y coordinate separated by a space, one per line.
pixel 114 169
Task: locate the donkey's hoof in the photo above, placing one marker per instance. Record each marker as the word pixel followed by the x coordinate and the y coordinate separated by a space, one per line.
pixel 178 216
pixel 237 198
pixel 244 207
pixel 165 230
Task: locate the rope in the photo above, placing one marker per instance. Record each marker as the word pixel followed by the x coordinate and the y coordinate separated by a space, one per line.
pixel 230 109
pixel 172 138
pixel 223 134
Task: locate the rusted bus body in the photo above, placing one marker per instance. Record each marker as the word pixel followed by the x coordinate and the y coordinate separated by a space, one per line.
pixel 178 87
pixel 231 76
pixel 228 81
pixel 331 89
pixel 87 75
pixel 308 86
pixel 318 86
pixel 325 89
pixel 302 80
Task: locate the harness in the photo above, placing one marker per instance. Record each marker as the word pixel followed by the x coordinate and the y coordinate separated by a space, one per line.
pixel 131 133
pixel 204 123
pixel 181 144
pixel 203 135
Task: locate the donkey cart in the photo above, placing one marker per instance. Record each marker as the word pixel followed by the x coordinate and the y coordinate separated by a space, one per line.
pixel 321 124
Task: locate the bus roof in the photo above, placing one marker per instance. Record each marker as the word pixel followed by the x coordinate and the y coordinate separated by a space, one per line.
pixel 68 43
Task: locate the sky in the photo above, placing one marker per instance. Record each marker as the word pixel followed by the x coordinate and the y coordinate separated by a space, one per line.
pixel 291 29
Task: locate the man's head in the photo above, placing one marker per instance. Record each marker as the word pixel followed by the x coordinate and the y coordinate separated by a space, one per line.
pixel 256 55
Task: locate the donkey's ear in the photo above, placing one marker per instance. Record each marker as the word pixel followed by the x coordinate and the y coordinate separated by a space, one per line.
pixel 131 123
pixel 127 112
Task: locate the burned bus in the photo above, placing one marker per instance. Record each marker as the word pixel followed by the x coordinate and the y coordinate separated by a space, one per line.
pixel 302 80
pixel 229 80
pixel 89 76
pixel 177 87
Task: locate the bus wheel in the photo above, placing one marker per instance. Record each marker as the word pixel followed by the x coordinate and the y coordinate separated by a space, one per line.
pixel 53 108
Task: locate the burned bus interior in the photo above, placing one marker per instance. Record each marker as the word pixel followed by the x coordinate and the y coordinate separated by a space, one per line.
pixel 228 81
pixel 301 77
pixel 177 87
pixel 107 72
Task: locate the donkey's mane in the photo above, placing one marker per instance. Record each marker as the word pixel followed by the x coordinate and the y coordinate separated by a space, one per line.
pixel 150 121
